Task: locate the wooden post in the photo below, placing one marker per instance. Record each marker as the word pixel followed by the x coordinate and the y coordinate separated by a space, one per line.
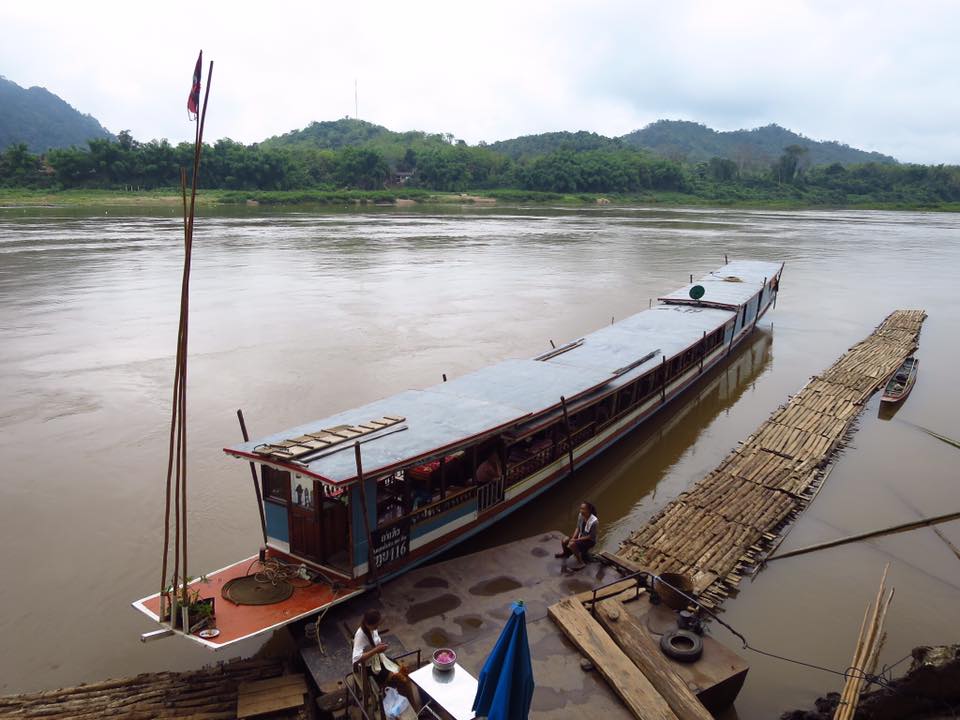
pixel 756 318
pixel 637 645
pixel 256 483
pixel 566 425
pixel 443 476
pixel 371 569
pixel 663 380
pixel 703 349
pixel 733 332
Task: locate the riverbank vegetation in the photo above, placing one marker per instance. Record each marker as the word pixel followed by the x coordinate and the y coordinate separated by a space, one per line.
pixel 354 167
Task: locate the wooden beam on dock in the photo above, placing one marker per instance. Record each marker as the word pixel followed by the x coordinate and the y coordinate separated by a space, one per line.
pixel 637 693
pixel 637 645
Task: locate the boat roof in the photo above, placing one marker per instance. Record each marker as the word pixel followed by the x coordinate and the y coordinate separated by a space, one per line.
pixel 663 330
pixel 729 287
pixel 438 417
pixel 510 394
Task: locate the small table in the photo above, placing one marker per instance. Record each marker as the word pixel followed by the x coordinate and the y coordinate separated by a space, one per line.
pixel 453 690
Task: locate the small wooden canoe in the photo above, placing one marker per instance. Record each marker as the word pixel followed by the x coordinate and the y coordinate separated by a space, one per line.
pixel 901 382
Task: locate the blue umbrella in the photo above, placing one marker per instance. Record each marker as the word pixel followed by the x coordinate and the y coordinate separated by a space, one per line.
pixel 505 687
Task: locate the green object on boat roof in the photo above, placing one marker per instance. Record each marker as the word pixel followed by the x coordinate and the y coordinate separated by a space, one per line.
pixel 697 292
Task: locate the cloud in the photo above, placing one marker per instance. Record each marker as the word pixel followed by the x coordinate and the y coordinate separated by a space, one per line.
pixel 877 75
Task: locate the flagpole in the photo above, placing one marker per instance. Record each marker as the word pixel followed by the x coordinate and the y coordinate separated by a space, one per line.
pixel 177 455
pixel 198 149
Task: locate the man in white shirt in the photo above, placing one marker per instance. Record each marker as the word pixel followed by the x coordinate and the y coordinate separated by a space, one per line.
pixel 584 536
pixel 368 648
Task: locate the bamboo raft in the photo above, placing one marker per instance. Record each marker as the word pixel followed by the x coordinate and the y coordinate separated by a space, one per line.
pixel 207 694
pixel 723 528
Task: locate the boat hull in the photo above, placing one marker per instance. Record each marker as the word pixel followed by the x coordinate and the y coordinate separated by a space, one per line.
pixel 895 392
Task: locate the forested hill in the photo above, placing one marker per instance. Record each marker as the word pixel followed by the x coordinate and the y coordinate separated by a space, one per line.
pixel 546 143
pixel 330 135
pixel 678 140
pixel 348 132
pixel 41 120
pixel 693 142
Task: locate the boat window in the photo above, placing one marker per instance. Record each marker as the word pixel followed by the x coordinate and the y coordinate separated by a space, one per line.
pixel 674 368
pixel 276 484
pixel 392 497
pixel 407 490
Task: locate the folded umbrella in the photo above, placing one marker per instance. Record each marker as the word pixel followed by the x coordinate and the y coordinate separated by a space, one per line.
pixel 505 686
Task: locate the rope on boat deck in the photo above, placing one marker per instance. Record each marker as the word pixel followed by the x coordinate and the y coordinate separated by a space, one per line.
pixel 274 570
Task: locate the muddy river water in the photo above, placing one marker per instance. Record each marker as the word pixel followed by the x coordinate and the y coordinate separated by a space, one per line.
pixel 296 315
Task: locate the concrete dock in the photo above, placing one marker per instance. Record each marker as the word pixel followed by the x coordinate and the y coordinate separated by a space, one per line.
pixel 464 602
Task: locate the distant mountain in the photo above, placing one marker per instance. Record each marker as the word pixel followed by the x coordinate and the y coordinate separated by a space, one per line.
pixel 545 143
pixel 42 120
pixel 673 139
pixel 693 142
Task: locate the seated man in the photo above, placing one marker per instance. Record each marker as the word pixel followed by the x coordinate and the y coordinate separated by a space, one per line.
pixel 583 538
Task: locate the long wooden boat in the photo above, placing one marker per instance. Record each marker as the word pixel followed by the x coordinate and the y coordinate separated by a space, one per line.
pixel 901 382
pixel 365 495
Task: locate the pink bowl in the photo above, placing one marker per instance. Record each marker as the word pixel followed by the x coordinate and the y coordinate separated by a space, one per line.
pixel 444 659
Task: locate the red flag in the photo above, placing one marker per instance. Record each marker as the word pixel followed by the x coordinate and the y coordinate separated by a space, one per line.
pixel 193 101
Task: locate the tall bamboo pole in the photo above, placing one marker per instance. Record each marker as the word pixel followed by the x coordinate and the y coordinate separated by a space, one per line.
pixel 176 479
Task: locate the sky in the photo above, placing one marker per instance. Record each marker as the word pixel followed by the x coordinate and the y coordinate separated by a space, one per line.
pixel 876 75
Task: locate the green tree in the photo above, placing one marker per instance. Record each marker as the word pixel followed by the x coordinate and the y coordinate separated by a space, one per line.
pixel 361 168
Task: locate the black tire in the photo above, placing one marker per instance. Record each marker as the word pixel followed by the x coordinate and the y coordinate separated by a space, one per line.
pixel 682 645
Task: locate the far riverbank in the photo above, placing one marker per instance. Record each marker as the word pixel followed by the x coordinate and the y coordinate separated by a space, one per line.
pixel 14 197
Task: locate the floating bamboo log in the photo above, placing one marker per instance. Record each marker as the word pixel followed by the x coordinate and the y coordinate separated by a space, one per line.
pixel 207 694
pixel 725 524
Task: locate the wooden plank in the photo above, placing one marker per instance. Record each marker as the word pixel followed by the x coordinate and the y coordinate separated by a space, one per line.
pixel 637 645
pixel 626 563
pixel 626 680
pixel 625 589
pixel 261 704
pixel 269 696
pixel 279 681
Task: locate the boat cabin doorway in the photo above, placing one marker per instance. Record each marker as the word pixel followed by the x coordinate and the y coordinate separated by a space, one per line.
pixel 311 519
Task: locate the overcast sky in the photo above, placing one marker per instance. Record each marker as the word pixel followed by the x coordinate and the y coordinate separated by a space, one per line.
pixel 876 75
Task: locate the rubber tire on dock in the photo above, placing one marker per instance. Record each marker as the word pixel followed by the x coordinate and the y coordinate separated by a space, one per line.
pixel 682 645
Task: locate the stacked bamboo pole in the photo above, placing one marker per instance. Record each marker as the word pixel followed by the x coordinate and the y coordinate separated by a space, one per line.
pixel 176 478
pixel 869 642
pixel 207 694
pixel 725 525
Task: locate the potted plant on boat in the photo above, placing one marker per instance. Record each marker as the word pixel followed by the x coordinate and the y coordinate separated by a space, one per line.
pixel 200 611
